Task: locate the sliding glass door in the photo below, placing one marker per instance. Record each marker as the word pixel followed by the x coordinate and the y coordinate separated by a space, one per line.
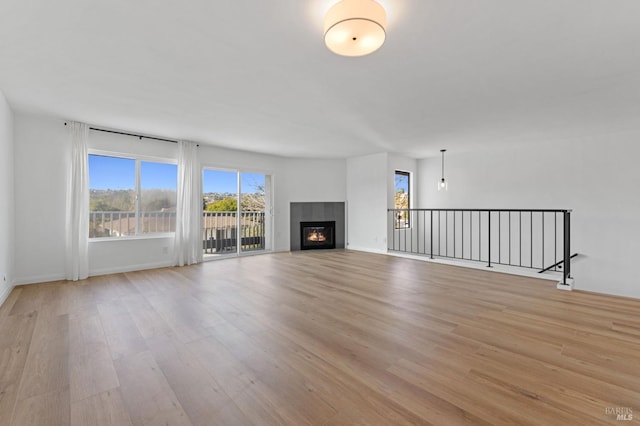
pixel 236 212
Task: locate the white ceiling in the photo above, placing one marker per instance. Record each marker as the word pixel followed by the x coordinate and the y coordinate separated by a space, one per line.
pixel 255 74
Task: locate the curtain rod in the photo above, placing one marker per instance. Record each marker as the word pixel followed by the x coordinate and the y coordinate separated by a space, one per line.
pixel 130 134
pixel 134 135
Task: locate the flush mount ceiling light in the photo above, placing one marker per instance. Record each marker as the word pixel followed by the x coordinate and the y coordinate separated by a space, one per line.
pixel 442 184
pixel 355 27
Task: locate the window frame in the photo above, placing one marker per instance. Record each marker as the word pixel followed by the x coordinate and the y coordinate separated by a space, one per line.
pixel 269 175
pixel 408 219
pixel 138 158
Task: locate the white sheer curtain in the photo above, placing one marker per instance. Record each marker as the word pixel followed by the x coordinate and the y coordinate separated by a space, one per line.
pixel 77 225
pixel 188 244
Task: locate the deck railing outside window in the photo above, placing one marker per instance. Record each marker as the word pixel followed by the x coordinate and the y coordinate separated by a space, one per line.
pixel 219 229
pixel 123 224
pixel 533 238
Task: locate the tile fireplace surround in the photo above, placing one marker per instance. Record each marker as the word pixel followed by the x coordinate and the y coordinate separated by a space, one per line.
pixel 317 212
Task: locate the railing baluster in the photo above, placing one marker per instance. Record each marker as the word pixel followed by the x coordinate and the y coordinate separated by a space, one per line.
pixel 439 232
pixel 555 240
pixel 542 240
pixel 471 235
pixel 404 234
pixel 479 236
pixel 393 229
pixel 462 226
pixel 531 240
pixel 446 233
pixel 509 238
pixel 520 237
pixel 424 231
pixel 431 235
pixel 567 247
pixel 417 222
pixel 454 233
pixel 489 238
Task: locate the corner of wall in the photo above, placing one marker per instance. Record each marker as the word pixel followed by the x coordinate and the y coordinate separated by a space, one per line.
pixel 4 293
pixel 7 200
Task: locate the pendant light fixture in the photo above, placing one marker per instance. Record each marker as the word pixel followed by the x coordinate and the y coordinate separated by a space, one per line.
pixel 355 27
pixel 442 184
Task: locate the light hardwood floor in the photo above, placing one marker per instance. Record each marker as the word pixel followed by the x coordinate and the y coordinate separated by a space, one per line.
pixel 320 338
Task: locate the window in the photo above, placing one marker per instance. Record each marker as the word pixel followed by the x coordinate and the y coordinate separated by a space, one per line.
pixel 130 197
pixel 402 201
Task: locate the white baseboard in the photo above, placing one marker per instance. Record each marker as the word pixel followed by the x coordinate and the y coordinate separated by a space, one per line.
pixel 367 250
pixel 5 294
pixel 37 279
pixel 130 268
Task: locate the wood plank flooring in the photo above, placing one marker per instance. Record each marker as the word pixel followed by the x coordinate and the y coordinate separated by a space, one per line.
pixel 316 338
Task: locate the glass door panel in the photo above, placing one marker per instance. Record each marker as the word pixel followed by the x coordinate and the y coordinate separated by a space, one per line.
pixel 220 212
pixel 254 219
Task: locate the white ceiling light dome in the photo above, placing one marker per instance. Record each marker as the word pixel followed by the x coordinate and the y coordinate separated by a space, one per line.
pixel 355 27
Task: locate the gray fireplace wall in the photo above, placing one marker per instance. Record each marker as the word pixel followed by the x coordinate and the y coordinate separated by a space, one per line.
pixel 317 212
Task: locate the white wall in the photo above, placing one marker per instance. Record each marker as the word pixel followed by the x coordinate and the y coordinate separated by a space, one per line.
pixel 42 158
pixel 7 237
pixel 306 180
pixel 42 161
pixel 598 178
pixel 367 202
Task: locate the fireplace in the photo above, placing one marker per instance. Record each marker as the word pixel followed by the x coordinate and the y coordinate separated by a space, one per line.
pixel 317 235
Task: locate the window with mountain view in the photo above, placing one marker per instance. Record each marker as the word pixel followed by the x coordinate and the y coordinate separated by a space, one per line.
pixel 130 197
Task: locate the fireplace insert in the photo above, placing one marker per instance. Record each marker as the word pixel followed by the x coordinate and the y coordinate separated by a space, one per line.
pixel 317 235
